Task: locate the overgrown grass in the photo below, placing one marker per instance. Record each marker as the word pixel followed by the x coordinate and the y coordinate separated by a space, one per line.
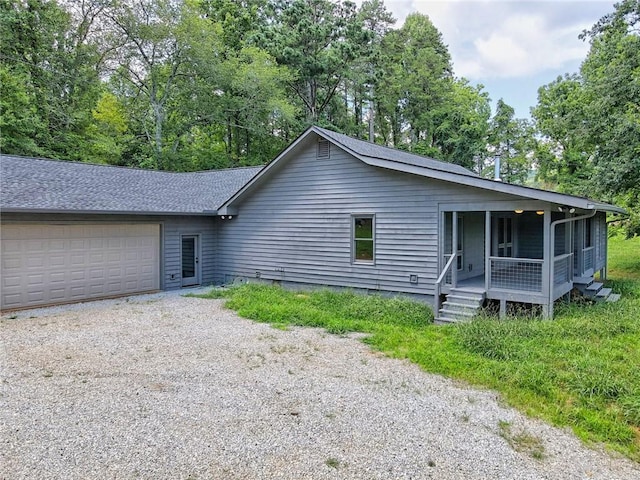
pixel 580 370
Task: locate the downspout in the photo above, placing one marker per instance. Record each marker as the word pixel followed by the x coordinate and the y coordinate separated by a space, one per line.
pixel 552 248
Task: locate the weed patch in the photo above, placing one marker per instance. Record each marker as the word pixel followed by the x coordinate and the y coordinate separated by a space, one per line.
pixel 522 441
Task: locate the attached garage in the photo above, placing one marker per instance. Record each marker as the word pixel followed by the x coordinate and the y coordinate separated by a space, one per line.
pixel 77 231
pixel 46 264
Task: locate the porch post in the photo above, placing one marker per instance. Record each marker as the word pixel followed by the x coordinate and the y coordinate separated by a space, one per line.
pixel 454 248
pixel 547 258
pixel 487 250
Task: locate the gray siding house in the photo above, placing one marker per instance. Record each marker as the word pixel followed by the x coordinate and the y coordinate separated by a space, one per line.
pixel 332 210
pixel 328 211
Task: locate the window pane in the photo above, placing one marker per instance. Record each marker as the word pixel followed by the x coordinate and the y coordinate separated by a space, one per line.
pixel 364 250
pixel 364 228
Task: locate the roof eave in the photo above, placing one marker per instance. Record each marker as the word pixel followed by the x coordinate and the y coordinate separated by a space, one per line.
pixel 206 213
pixel 487 184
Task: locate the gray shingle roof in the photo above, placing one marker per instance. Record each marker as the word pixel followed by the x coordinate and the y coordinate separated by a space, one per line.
pixel 50 185
pixel 373 150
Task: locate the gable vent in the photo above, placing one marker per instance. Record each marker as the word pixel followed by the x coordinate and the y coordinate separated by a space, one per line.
pixel 323 148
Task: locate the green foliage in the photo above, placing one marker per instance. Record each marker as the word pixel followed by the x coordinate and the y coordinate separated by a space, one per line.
pixel 591 121
pixel 513 140
pixel 564 158
pixel 579 370
pixel 198 84
pixel 462 125
pixel 19 120
pixel 318 40
pixel 50 53
pixel 414 82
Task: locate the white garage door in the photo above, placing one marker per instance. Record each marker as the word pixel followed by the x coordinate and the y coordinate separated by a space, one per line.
pixel 47 264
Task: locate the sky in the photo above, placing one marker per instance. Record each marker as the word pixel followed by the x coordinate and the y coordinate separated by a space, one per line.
pixel 511 47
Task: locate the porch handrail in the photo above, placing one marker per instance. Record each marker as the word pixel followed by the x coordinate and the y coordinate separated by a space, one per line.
pixel 588 258
pixel 439 282
pixel 563 256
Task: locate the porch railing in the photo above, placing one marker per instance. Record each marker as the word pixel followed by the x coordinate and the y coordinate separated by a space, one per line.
pixel 446 272
pixel 562 271
pixel 521 274
pixel 588 258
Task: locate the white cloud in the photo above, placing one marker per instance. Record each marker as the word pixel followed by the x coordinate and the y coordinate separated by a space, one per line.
pixel 508 39
pixel 510 46
pixel 521 45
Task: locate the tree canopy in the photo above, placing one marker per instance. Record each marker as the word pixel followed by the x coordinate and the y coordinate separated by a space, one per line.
pixel 590 121
pixel 200 84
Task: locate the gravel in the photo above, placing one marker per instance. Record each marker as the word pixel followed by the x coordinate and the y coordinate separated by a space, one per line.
pixel 164 386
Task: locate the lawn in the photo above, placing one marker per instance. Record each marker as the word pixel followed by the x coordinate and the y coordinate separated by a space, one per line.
pixel 580 370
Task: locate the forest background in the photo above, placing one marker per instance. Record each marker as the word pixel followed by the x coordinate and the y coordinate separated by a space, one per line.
pixel 188 85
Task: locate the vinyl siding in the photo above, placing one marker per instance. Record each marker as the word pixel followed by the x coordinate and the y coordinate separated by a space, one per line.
pixel 296 226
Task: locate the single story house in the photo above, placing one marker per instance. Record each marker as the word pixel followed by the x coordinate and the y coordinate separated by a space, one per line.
pixel 330 210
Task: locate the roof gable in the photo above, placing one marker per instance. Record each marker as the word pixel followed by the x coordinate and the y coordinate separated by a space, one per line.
pixel 373 150
pixel 398 160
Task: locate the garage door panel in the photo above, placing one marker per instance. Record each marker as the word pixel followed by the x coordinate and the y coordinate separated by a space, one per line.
pixel 57 294
pixel 44 264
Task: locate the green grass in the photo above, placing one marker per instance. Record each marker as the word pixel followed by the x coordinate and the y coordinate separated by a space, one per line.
pixel 580 370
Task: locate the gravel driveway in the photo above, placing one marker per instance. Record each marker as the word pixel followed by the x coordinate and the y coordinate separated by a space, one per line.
pixel 163 386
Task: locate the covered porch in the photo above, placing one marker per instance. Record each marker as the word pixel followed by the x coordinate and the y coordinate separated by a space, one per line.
pixel 529 253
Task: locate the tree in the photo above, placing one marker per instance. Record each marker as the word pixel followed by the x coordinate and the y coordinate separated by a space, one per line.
pixel 611 76
pixel 415 77
pixel 511 139
pixel 461 125
pixel 565 154
pixel 59 64
pixel 318 40
pixel 19 120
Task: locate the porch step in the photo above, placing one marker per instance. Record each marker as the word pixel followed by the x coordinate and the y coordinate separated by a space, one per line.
pixel 462 304
pixel 594 287
pixel 614 297
pixel 594 290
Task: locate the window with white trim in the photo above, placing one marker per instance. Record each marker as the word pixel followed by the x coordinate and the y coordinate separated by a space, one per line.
pixel 363 238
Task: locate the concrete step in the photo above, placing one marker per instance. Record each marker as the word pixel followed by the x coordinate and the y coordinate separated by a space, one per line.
pixel 614 297
pixel 461 305
pixel 453 313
